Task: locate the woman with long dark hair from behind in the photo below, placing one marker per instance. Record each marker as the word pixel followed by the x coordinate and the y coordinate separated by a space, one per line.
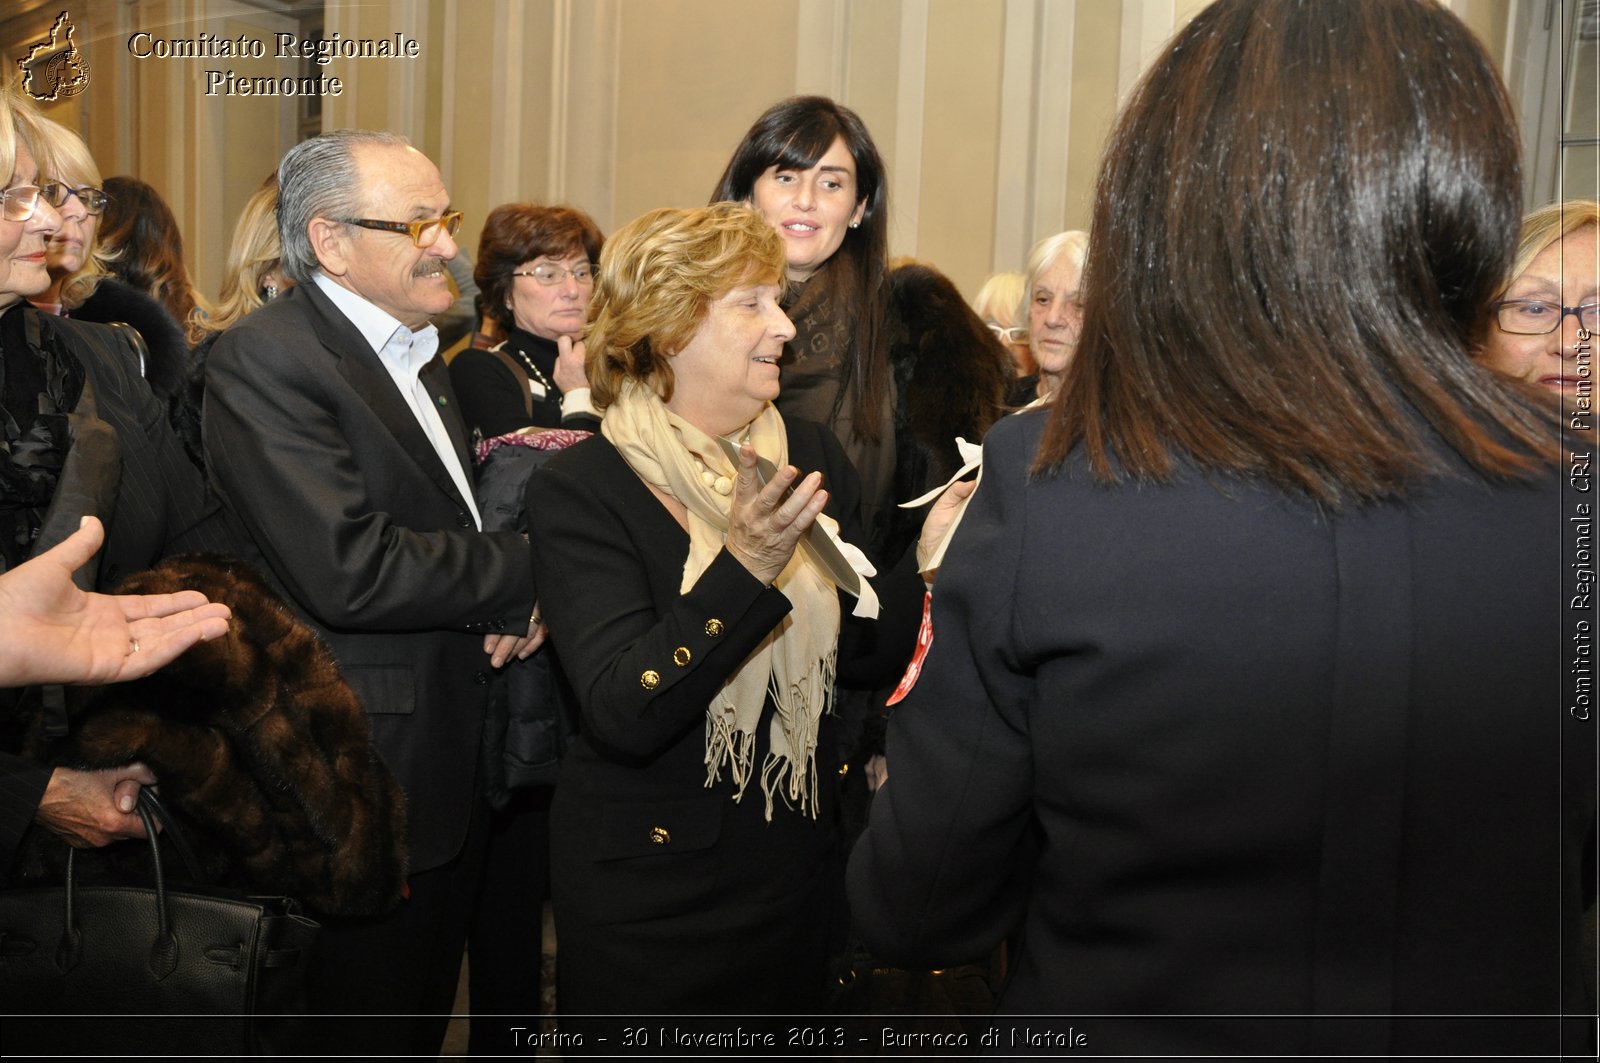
pixel 1246 691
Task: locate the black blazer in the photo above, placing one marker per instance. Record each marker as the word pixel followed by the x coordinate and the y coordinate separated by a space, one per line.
pixel 321 463
pixel 669 896
pixel 1213 752
pixel 126 468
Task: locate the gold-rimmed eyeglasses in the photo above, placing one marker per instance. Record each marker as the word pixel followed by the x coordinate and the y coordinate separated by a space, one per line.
pixel 423 233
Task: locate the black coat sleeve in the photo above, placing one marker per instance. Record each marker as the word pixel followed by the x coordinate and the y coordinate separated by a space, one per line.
pixel 328 503
pixel 617 643
pixel 942 872
pixel 615 615
pixel 162 506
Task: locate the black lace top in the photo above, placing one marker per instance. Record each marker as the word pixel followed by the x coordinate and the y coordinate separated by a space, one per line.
pixel 39 385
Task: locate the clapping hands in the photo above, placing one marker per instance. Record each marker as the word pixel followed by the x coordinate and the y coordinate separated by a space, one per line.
pixel 764 527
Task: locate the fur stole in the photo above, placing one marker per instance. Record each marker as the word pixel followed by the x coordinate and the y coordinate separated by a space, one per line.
pixel 263 751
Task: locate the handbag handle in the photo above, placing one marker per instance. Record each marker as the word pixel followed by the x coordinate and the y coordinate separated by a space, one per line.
pixel 164 950
pixel 173 834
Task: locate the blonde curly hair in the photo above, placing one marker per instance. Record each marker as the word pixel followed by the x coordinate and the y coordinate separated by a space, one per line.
pixel 658 275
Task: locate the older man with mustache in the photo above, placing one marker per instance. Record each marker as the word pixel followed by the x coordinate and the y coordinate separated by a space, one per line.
pixel 333 439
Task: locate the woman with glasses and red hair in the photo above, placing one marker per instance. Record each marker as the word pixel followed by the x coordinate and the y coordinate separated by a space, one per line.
pixel 535 274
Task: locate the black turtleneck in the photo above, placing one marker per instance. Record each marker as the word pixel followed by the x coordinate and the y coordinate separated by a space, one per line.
pixel 493 400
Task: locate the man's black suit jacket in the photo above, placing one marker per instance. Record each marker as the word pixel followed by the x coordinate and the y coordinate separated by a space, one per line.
pixel 320 461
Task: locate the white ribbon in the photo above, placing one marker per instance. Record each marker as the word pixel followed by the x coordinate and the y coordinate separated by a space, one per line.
pixel 867 601
pixel 972 458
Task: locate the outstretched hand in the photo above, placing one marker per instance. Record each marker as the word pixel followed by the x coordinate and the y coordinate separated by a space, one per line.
pixel 764 527
pixel 52 631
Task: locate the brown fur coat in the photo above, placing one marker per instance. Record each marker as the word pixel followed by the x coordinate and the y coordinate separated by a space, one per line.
pixel 263 751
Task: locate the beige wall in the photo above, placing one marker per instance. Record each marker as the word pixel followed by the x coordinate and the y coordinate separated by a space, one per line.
pixel 990 114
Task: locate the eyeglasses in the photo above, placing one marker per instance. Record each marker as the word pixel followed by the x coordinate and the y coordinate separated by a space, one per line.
pixel 18 202
pixel 1014 334
pixel 423 233
pixel 56 192
pixel 1537 317
pixel 549 273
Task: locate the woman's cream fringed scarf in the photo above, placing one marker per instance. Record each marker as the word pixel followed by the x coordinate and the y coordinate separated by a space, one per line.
pixel 795 663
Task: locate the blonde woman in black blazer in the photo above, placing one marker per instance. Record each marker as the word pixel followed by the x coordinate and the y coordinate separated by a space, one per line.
pixel 695 861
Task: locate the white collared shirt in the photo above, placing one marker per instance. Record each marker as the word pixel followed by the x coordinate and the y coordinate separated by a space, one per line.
pixel 403 354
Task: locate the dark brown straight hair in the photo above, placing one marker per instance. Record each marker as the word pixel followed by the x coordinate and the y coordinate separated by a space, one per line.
pixel 792 135
pixel 1301 217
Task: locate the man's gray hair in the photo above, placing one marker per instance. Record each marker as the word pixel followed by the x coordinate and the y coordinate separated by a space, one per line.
pixel 319 178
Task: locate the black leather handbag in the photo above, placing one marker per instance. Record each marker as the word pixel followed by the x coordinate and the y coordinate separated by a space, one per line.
pixel 108 970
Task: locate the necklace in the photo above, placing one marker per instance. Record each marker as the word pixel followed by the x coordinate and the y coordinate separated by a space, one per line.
pixel 538 374
pixel 718 482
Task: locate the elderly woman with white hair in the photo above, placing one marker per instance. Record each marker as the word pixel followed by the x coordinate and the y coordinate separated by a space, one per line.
pixel 1055 313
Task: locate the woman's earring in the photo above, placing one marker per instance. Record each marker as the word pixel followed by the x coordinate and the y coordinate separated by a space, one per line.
pixel 855 225
pixel 269 292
